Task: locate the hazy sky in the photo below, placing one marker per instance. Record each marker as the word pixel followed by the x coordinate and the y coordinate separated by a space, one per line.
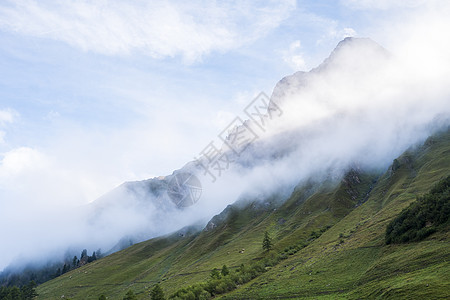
pixel 95 93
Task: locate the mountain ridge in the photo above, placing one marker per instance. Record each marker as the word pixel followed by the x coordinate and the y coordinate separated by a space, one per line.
pixel 153 190
pixel 354 236
pixel 319 194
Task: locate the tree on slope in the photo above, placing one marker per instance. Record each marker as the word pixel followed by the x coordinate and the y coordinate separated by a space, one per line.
pixel 157 293
pixel 130 296
pixel 267 242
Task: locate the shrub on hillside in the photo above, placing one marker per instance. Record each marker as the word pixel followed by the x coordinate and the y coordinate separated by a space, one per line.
pixel 423 217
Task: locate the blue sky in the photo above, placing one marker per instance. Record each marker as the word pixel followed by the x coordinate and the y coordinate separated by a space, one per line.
pixel 96 93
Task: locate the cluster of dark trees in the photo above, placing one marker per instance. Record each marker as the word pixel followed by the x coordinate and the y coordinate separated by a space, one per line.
pixel 75 263
pixel 25 292
pixel 41 274
pixel 12 277
pixel 423 217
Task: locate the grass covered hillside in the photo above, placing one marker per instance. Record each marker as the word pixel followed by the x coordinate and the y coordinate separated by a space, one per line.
pixel 328 242
pixel 423 217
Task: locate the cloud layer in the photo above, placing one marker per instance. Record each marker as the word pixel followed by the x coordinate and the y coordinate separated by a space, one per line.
pixel 158 28
pixel 349 115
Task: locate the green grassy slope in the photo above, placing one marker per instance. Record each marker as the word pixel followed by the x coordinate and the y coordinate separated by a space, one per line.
pixel 349 260
pixel 359 265
pixel 177 261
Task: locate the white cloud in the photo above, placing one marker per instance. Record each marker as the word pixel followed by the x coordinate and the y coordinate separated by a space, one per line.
pixel 7 116
pixel 18 160
pixel 294 56
pixel 348 32
pixel 158 28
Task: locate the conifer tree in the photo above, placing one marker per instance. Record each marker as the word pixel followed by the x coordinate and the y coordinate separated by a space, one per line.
pixel 267 242
pixel 157 293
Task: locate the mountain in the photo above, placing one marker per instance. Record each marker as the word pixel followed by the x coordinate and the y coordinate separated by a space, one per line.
pixel 330 235
pixel 361 55
pixel 315 124
pixel 273 134
pixel 311 166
